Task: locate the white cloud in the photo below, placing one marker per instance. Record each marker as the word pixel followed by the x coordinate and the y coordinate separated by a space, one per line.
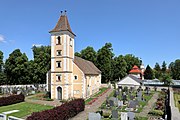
pixel 2 39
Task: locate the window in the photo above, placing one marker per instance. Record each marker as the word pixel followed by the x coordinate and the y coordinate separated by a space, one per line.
pixel 58 64
pixel 58 40
pixel 71 42
pixel 75 77
pixel 59 52
pixel 58 78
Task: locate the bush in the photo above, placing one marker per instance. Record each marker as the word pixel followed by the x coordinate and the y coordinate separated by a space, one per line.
pixel 156 112
pixel 63 112
pixel 11 99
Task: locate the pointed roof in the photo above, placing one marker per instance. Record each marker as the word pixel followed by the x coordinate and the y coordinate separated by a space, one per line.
pixel 86 66
pixel 62 24
pixel 135 69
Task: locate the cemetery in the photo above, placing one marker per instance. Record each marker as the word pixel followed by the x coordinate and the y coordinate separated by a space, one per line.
pixel 125 103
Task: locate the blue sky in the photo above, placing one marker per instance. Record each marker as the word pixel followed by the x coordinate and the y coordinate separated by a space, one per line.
pixel 149 29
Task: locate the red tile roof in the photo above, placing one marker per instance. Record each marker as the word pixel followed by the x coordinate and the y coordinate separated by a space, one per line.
pixel 62 25
pixel 135 69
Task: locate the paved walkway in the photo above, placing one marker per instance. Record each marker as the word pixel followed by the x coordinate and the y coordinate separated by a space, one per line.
pixel 149 106
pixel 43 102
pixel 92 108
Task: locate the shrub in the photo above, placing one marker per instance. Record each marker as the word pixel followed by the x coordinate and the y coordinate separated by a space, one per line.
pixel 63 112
pixel 11 99
pixel 156 112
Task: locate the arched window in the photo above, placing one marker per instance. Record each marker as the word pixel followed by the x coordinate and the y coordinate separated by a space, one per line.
pixel 58 40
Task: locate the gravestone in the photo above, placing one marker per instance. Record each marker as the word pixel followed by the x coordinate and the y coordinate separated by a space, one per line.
pixel 124 116
pixel 132 104
pixel 2 117
pixel 115 114
pixel 111 103
pixel 94 116
pixel 131 115
pixel 131 97
pixel 14 118
pixel 120 103
pixel 124 97
pixel 115 101
pixel 139 95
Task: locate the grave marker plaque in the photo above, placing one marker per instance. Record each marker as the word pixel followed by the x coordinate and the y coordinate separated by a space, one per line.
pixel 94 116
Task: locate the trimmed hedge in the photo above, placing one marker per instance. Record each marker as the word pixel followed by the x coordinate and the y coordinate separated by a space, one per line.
pixel 63 112
pixel 11 99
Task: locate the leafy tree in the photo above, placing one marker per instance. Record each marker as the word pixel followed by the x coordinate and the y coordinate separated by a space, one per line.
pixel 41 64
pixel 89 54
pixel 166 78
pixel 157 67
pixel 77 54
pixel 175 69
pixel 1 60
pixel 148 74
pixel 131 60
pixel 164 67
pixel 104 62
pixel 119 67
pixel 157 71
pixel 16 68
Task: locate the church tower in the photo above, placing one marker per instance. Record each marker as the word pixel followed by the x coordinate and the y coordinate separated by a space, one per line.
pixel 62 55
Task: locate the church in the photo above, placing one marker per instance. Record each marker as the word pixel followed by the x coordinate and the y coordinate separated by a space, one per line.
pixel 70 76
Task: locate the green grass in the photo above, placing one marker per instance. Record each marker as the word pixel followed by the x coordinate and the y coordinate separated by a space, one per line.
pixel 176 99
pixel 24 109
pixel 88 100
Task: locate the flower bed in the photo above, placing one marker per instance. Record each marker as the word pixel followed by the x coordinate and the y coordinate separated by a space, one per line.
pixel 11 99
pixel 63 112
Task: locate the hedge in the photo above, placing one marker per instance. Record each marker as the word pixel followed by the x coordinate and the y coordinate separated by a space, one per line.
pixel 63 112
pixel 11 99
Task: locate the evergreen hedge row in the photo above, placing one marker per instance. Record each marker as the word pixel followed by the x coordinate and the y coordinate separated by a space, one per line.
pixel 11 99
pixel 63 112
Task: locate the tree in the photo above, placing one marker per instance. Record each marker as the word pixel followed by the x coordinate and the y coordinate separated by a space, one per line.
pixel 104 62
pixel 77 54
pixel 1 60
pixel 89 54
pixel 16 68
pixel 174 68
pixel 157 71
pixel 157 67
pixel 119 67
pixel 131 60
pixel 2 75
pixel 164 67
pixel 41 64
pixel 166 78
pixel 148 74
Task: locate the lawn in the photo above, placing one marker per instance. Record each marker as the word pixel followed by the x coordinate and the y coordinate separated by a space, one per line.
pixel 177 98
pixel 24 109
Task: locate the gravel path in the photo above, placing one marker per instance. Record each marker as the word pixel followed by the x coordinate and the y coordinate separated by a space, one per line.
pixel 149 106
pixel 43 102
pixel 92 108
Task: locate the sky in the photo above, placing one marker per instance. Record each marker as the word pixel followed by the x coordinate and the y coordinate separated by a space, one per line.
pixel 148 29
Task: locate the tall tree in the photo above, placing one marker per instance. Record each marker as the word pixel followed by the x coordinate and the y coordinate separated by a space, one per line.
pixel 164 67
pixel 2 75
pixel 104 61
pixel 166 78
pixel 148 74
pixel 41 63
pixel 1 60
pixel 131 60
pixel 89 54
pixel 16 68
pixel 119 67
pixel 175 69
pixel 157 71
pixel 77 54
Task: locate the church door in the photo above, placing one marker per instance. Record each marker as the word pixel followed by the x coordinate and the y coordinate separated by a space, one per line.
pixel 59 93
